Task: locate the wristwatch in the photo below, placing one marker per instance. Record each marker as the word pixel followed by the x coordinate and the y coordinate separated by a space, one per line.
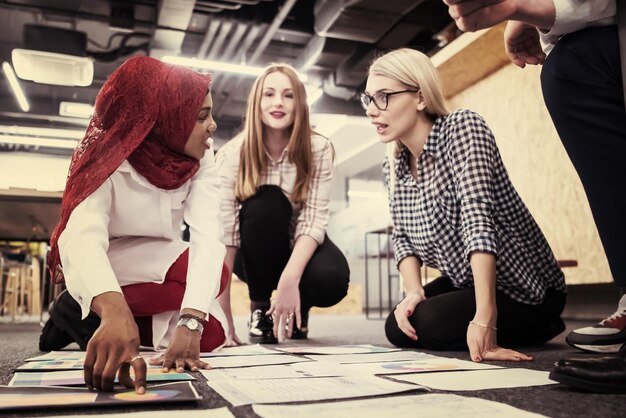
pixel 191 322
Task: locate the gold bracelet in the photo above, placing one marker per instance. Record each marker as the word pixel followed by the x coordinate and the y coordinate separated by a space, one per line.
pixel 483 325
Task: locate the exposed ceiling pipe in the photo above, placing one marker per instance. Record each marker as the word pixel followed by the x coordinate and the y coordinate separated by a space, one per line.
pixel 271 31
pixel 219 40
pixel 208 37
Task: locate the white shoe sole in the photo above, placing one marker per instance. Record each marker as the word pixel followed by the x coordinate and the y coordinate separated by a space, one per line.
pixel 606 349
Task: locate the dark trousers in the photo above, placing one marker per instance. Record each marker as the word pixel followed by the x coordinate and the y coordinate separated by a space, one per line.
pixel 265 250
pixel 582 87
pixel 441 320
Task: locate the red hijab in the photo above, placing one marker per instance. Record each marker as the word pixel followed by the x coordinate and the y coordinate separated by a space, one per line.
pixel 144 113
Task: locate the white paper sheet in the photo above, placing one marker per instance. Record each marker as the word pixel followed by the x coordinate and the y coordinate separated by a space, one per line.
pixel 283 371
pixel 245 361
pixel 240 350
pixel 187 413
pixel 480 379
pixel 337 349
pixel 426 405
pixel 371 358
pixel 425 365
pixel 245 392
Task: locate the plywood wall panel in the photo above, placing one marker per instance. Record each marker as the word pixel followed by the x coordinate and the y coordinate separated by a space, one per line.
pixel 510 100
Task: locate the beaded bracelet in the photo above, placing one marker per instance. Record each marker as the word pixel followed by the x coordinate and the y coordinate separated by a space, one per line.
pixel 483 325
pixel 197 318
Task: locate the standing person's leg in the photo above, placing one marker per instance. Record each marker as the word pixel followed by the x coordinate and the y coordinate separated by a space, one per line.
pixel 582 86
pixel 441 320
pixel 324 282
pixel 265 249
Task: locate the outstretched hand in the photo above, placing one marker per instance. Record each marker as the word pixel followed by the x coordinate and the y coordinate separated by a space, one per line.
pixel 522 45
pixel 473 15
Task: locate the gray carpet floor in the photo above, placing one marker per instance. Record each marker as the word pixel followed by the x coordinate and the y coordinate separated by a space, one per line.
pixel 18 341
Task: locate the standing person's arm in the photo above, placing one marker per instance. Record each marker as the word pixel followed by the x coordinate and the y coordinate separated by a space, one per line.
pixel 310 233
pixel 227 167
pixel 475 158
pixel 92 283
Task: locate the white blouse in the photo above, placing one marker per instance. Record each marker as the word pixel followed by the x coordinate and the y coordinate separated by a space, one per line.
pixel 129 231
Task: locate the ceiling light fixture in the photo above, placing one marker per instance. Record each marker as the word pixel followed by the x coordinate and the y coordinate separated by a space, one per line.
pixel 52 68
pixel 219 66
pixel 15 86
pixel 75 110
pixel 42 132
pixel 40 142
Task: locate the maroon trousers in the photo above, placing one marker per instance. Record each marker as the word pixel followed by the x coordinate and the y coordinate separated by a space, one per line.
pixel 147 299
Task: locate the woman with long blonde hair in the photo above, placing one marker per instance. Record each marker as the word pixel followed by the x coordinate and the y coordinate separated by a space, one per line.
pixel 275 179
pixel 455 209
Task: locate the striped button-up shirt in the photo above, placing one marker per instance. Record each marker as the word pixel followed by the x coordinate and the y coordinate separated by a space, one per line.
pixel 309 218
pixel 463 201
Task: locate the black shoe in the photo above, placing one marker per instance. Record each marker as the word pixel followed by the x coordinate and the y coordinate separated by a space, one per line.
pixel 605 337
pixel 301 333
pixel 606 374
pixel 66 325
pixel 261 328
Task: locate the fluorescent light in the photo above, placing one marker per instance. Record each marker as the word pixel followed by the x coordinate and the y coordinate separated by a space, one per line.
pixel 40 142
pixel 52 68
pixel 219 66
pixel 76 110
pixel 42 132
pixel 15 86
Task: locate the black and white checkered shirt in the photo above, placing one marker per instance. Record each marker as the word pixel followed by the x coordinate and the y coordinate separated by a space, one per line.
pixel 463 201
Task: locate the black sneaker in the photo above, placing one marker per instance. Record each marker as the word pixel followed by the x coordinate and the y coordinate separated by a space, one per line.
pixel 261 328
pixel 301 333
pixel 608 336
pixel 66 325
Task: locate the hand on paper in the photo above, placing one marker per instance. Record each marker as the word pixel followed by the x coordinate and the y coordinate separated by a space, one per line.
pixel 114 347
pixel 286 307
pixel 483 345
pixel 182 353
pixel 405 309
pixel 232 340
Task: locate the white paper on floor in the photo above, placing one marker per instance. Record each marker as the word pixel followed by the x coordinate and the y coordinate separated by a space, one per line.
pixel 245 392
pixel 240 350
pixel 244 361
pixel 337 349
pixel 426 405
pixel 480 379
pixel 187 413
pixel 283 371
pixel 425 365
pixel 372 358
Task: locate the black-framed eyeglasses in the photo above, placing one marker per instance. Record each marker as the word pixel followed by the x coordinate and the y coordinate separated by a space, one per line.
pixel 380 98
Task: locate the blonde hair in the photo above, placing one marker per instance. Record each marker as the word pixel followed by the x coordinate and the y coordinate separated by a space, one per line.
pixel 415 70
pixel 253 159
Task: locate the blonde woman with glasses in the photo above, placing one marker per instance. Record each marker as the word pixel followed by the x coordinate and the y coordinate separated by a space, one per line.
pixel 275 180
pixel 454 209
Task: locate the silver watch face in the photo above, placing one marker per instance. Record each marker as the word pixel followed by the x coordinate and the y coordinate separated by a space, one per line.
pixel 192 324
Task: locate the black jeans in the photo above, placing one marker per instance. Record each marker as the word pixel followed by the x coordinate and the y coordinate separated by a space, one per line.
pixel 265 249
pixel 441 320
pixel 582 87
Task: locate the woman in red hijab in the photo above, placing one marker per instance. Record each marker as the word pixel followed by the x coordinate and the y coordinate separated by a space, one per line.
pixel 141 169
